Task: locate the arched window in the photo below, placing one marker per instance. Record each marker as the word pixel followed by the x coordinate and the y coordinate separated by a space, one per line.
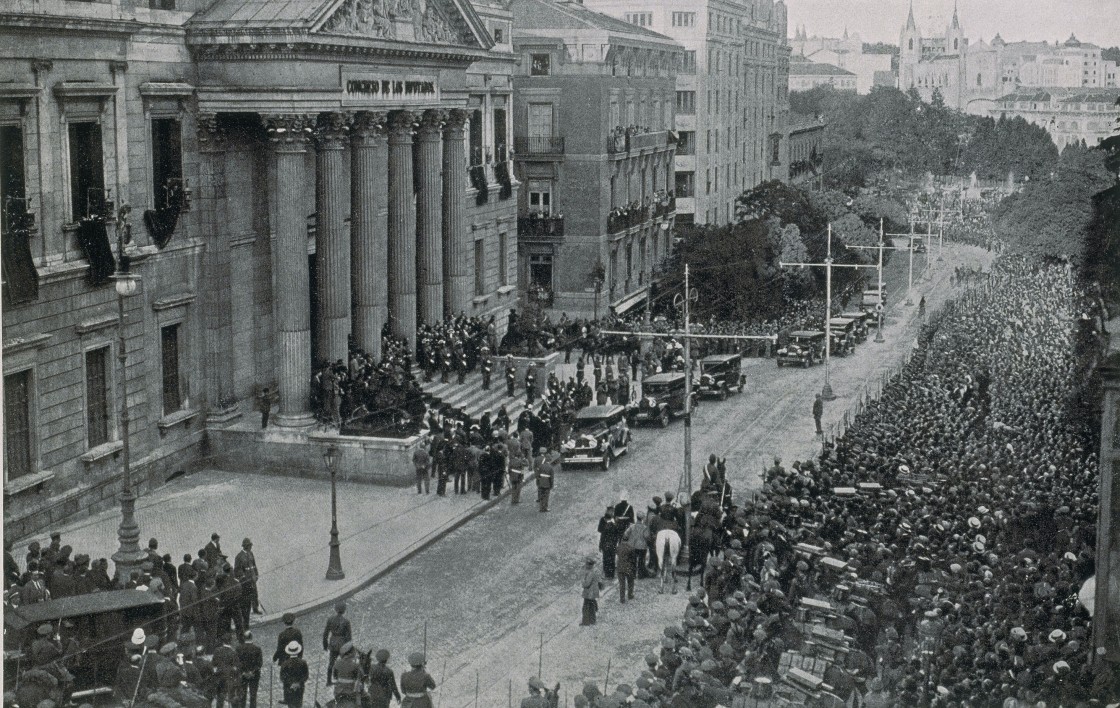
pixel 955 41
pixel 979 80
pixel 911 47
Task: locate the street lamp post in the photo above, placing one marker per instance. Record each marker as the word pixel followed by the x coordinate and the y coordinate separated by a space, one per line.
pixel 129 555
pixel 334 566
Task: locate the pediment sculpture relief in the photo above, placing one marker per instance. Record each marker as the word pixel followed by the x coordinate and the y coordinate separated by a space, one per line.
pixel 404 20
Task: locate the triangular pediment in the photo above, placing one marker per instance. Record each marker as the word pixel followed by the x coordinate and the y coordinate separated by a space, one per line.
pixel 443 22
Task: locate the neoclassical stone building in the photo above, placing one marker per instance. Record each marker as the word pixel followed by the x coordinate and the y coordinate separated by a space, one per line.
pixel 285 175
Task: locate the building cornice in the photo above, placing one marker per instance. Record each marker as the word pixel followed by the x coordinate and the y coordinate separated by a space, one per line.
pixel 70 24
pixel 250 46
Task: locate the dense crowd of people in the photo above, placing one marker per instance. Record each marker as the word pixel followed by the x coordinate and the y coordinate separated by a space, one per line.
pixel 382 396
pixel 953 579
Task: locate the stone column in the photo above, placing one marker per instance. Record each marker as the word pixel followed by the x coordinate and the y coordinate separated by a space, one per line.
pixel 457 287
pixel 402 229
pixel 369 188
pixel 290 135
pixel 220 395
pixel 332 248
pixel 429 219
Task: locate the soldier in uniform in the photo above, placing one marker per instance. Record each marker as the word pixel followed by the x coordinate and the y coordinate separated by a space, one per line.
pixel 245 570
pixel 460 362
pixel 530 385
pixel 347 677
pixel 511 376
pixel 382 682
pixel 546 478
pixel 293 675
pixel 487 367
pixel 536 697
pixel 336 633
pixel 581 366
pixel 416 683
pixel 623 396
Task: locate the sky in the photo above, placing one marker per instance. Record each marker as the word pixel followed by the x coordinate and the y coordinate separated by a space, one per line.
pixel 1096 21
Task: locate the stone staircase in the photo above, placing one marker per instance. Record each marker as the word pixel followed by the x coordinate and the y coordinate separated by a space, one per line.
pixel 471 398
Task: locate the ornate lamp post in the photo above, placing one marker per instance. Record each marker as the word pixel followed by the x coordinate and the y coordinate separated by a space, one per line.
pixel 129 555
pixel 334 566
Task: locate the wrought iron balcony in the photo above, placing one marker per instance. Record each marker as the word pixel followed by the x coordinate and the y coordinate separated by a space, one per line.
pixel 539 146
pixel 540 227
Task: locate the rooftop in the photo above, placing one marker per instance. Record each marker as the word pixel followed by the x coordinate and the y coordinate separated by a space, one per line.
pixel 814 69
pixel 530 15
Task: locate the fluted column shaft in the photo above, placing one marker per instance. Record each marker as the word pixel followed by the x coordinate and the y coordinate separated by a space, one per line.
pixel 290 135
pixel 332 247
pixel 212 190
pixel 368 230
pixel 429 219
pixel 402 229
pixel 458 283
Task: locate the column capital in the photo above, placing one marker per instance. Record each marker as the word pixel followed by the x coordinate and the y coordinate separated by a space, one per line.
pixel 368 126
pixel 455 121
pixel 212 136
pixel 288 131
pixel 400 124
pixel 431 121
pixel 331 130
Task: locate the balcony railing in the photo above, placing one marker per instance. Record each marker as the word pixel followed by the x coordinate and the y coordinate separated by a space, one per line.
pixel 635 137
pixel 664 204
pixel 540 227
pixel 632 214
pixel 539 145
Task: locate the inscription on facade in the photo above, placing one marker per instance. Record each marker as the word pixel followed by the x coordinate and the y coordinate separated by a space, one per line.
pixel 365 87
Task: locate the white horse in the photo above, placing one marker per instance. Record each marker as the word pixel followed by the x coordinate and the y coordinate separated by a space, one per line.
pixel 668 546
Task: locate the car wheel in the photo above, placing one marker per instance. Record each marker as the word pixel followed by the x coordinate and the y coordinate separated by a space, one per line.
pixel 663 421
pixel 606 463
pixel 723 394
pixel 805 362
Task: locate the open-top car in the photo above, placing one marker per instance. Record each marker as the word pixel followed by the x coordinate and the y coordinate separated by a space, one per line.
pixel 720 374
pixel 843 331
pixel 804 348
pixel 861 319
pixel 873 296
pixel 663 397
pixel 599 434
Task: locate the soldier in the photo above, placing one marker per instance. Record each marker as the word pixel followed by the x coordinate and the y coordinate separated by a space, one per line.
pixel 382 683
pixel 487 367
pixel 530 385
pixel 289 634
pixel 511 376
pixel 545 479
pixel 336 633
pixel 581 367
pixel 445 364
pixel 461 362
pixel 293 675
pixel 347 676
pixel 623 389
pixel 245 570
pixel 416 683
pixel 536 698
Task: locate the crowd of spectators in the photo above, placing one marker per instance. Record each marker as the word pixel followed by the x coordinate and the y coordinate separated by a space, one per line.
pixel 954 578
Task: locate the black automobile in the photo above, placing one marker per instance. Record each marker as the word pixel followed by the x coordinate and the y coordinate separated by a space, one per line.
pixel 663 397
pixel 843 331
pixel 861 319
pixel 804 348
pixel 720 374
pixel 598 435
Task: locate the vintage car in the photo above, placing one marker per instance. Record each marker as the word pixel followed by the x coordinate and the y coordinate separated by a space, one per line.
pixel 919 245
pixel 662 398
pixel 843 331
pixel 721 373
pixel 100 622
pixel 804 347
pixel 873 296
pixel 861 319
pixel 599 434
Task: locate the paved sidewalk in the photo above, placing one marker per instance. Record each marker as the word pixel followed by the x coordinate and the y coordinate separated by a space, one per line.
pixel 289 521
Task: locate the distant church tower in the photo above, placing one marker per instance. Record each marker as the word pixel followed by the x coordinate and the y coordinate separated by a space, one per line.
pixel 910 51
pixel 955 42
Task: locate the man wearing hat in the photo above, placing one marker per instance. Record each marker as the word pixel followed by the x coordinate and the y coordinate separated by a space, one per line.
pixel 347 675
pixel 382 682
pixel 293 674
pixel 536 697
pixel 336 633
pixel 212 553
pixel 227 672
pixel 250 658
pixel 592 583
pixel 44 648
pixel 545 478
pixel 289 634
pixel 245 570
pixel 511 377
pixel 415 684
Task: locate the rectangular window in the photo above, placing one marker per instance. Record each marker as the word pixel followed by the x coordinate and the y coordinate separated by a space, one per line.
pixel 97 397
pixel 685 184
pixel 708 182
pixel 686 142
pixel 479 268
pixel 686 102
pixel 499 35
pixel 161 4
pixel 17 425
pixel 167 162
pixel 684 19
pixel 169 349
pixel 13 184
pixel 616 115
pixel 476 137
pixel 87 170
pixel 540 120
pixel 540 65
pixel 503 258
pixel 540 197
pixel 540 270
pixel 688 65
pixel 501 152
pixel 642 19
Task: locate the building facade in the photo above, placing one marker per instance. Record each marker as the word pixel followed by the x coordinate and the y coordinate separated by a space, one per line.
pixel 806 75
pixel 1069 115
pixel 732 96
pixel 846 53
pixel 284 178
pixel 594 104
pixel 806 151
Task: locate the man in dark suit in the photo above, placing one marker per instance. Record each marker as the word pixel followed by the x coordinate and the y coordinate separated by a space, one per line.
pixel 249 659
pixel 289 634
pixel 227 672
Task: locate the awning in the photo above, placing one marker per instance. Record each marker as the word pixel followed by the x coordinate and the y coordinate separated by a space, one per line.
pixel 628 302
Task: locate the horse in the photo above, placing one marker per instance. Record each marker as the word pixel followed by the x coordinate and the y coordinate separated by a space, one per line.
pixel 667 546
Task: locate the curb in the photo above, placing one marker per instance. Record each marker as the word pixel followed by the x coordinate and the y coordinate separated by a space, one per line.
pixel 392 564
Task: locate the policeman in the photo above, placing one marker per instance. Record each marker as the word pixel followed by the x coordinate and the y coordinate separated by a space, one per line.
pixel 347 676
pixel 581 366
pixel 382 682
pixel 487 367
pixel 336 633
pixel 511 376
pixel 461 363
pixel 445 365
pixel 530 385
pixel 416 683
pixel 546 477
